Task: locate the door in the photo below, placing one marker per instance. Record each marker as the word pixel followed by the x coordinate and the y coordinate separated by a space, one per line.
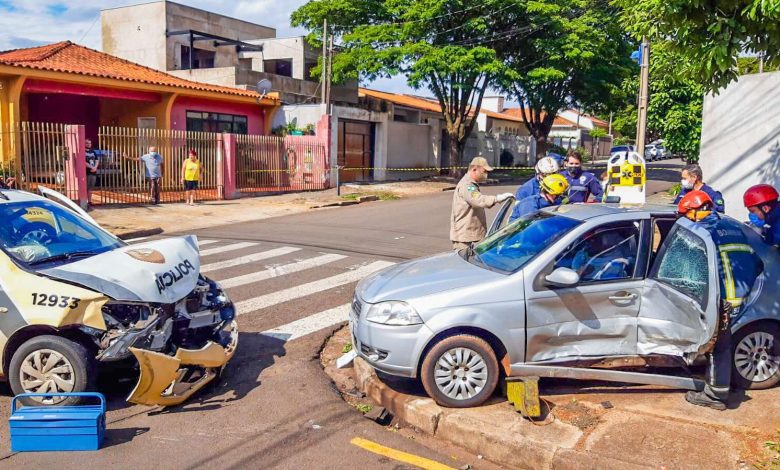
pixel 502 217
pixel 680 298
pixel 355 150
pixel 597 316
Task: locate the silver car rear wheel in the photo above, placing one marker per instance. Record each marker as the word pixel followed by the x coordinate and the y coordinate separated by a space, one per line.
pixel 756 356
pixel 461 373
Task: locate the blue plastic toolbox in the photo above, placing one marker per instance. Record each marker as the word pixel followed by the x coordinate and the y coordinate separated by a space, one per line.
pixel 48 428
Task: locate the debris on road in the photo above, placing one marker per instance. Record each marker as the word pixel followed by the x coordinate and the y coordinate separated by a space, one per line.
pixel 380 415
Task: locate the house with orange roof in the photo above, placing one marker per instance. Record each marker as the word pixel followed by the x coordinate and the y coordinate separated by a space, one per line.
pixel 72 84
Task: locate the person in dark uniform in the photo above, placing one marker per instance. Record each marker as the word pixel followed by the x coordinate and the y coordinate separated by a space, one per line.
pixel 692 180
pixel 738 268
pixel 582 184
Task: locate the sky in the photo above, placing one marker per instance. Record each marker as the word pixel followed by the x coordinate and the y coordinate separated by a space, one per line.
pixel 27 23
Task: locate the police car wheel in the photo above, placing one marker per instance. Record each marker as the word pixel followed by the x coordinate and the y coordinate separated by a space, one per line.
pixel 37 232
pixel 756 356
pixel 51 364
pixel 460 371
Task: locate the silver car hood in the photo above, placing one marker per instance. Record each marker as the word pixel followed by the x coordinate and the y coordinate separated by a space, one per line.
pixel 162 271
pixel 423 277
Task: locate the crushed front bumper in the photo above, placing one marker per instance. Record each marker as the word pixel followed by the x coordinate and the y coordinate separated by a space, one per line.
pixel 170 380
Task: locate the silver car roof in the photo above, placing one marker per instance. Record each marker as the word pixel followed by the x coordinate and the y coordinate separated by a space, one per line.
pixel 589 211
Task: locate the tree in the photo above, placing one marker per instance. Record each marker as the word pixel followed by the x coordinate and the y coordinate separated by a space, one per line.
pixel 597 133
pixel 445 46
pixel 674 110
pixel 575 54
pixel 711 34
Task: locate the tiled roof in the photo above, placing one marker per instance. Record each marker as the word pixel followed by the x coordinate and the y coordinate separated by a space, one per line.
pixel 68 57
pixel 559 121
pixel 427 104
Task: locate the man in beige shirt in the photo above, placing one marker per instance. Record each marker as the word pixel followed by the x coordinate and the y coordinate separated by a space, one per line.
pixel 467 223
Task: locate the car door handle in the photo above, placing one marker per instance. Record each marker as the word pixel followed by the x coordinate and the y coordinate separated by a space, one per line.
pixel 623 298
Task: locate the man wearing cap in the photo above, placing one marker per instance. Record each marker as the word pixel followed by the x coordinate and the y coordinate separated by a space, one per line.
pixel 467 223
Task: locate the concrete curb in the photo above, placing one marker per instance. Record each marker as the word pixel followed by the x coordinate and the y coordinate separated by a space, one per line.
pixel 139 233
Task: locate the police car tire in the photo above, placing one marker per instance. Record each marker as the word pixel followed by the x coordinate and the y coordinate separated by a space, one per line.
pixel 476 344
pixel 82 362
pixel 737 380
pixel 38 227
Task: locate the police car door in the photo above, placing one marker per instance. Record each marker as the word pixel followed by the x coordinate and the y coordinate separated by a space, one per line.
pixel 679 307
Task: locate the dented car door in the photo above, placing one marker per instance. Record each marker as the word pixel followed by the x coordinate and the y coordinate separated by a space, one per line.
pixel 679 306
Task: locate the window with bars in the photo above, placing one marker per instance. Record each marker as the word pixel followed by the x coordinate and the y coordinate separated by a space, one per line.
pixel 202 121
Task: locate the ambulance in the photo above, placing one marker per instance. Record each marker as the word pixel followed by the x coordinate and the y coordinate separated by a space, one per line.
pixel 74 297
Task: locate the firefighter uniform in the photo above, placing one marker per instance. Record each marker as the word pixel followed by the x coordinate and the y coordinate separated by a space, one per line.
pixel 738 267
pixel 527 189
pixel 582 185
pixel 716 196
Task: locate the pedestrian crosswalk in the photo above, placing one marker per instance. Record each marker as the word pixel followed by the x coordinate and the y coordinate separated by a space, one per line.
pixel 284 292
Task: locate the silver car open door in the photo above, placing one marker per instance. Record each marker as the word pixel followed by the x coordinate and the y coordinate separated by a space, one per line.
pixel 502 217
pixel 678 313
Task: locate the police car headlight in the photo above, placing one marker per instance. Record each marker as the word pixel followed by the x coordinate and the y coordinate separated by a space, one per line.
pixel 393 313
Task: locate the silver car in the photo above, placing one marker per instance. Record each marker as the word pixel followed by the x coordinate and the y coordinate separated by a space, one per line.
pixel 584 287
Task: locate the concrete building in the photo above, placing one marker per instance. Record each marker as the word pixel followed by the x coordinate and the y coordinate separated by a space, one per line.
pixel 207 47
pixel 740 138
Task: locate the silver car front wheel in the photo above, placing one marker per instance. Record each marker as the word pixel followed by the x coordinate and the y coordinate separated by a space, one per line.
pixel 460 371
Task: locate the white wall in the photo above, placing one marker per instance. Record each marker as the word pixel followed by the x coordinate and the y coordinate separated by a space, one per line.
pixel 136 34
pixel 740 141
pixel 408 146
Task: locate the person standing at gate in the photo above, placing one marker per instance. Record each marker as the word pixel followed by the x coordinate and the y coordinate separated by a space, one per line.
pixel 191 172
pixel 154 168
pixel 93 163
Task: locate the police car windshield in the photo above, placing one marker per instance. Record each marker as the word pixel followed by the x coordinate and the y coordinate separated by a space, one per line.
pixel 43 234
pixel 512 247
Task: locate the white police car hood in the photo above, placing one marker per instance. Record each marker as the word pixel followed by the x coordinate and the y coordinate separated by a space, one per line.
pixel 161 271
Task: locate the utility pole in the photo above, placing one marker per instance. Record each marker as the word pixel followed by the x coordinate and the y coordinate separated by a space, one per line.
pixel 324 79
pixel 644 91
pixel 330 74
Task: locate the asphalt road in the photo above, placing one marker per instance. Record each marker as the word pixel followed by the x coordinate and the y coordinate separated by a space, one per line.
pixel 273 407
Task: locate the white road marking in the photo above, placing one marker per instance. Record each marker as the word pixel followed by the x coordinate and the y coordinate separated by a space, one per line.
pixel 277 271
pixel 310 324
pixel 206 242
pixel 303 290
pixel 248 259
pixel 223 249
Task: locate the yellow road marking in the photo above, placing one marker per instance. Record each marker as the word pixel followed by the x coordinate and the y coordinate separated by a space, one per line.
pixel 421 462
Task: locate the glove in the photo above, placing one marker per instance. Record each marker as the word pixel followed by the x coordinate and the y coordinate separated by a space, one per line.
pixel 504 196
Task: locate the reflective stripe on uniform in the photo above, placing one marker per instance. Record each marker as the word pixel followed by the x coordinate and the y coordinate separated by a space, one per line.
pixel 728 282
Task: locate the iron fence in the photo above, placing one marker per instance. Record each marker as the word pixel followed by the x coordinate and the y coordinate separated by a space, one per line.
pixel 40 155
pixel 280 164
pixel 121 176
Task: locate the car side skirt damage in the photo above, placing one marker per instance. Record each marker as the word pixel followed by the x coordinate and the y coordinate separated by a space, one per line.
pixel 533 370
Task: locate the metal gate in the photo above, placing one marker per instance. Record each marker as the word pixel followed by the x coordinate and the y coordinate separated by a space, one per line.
pixel 280 164
pixel 41 156
pixel 121 177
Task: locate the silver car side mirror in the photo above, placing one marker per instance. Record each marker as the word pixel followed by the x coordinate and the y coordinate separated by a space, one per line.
pixel 562 277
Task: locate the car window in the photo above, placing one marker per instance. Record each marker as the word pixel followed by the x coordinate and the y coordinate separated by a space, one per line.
pixel 516 244
pixel 682 264
pixel 606 253
pixel 661 228
pixel 34 233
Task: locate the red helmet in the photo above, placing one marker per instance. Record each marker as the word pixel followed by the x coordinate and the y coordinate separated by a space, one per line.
pixel 760 194
pixel 694 200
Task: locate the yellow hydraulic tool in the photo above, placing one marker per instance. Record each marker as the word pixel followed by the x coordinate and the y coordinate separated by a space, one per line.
pixel 523 393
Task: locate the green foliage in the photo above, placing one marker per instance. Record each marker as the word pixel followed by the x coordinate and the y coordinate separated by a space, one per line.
pixel 709 35
pixel 748 65
pixel 575 53
pixel 773 462
pixel 674 190
pixel 347 348
pixel 622 140
pixel 363 407
pixel 447 47
pixel 290 127
pixel 598 132
pixel 586 156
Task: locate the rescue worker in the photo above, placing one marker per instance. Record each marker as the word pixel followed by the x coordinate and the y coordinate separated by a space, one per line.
pixel 552 189
pixel 738 268
pixel 467 222
pixel 582 184
pixel 762 202
pixel 692 180
pixel 544 167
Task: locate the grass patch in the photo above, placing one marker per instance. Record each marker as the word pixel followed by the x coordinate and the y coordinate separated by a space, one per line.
pixel 675 189
pixel 363 407
pixel 351 196
pixel 382 195
pixel 347 348
pixel 519 173
pixel 773 462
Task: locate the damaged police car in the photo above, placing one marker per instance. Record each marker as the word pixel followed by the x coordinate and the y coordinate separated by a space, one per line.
pixel 73 296
pixel 588 291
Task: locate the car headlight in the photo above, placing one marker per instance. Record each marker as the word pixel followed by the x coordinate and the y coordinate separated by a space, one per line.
pixel 393 313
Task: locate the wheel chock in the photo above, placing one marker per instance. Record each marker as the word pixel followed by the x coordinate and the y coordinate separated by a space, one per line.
pixel 523 394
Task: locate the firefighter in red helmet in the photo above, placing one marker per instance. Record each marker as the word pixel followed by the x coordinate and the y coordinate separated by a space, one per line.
pixel 762 201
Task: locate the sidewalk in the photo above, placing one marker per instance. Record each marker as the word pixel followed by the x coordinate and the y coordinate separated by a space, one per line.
pixel 144 220
pixel 587 424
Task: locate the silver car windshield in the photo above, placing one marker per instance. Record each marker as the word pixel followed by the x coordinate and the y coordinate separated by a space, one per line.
pixel 43 234
pixel 513 246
